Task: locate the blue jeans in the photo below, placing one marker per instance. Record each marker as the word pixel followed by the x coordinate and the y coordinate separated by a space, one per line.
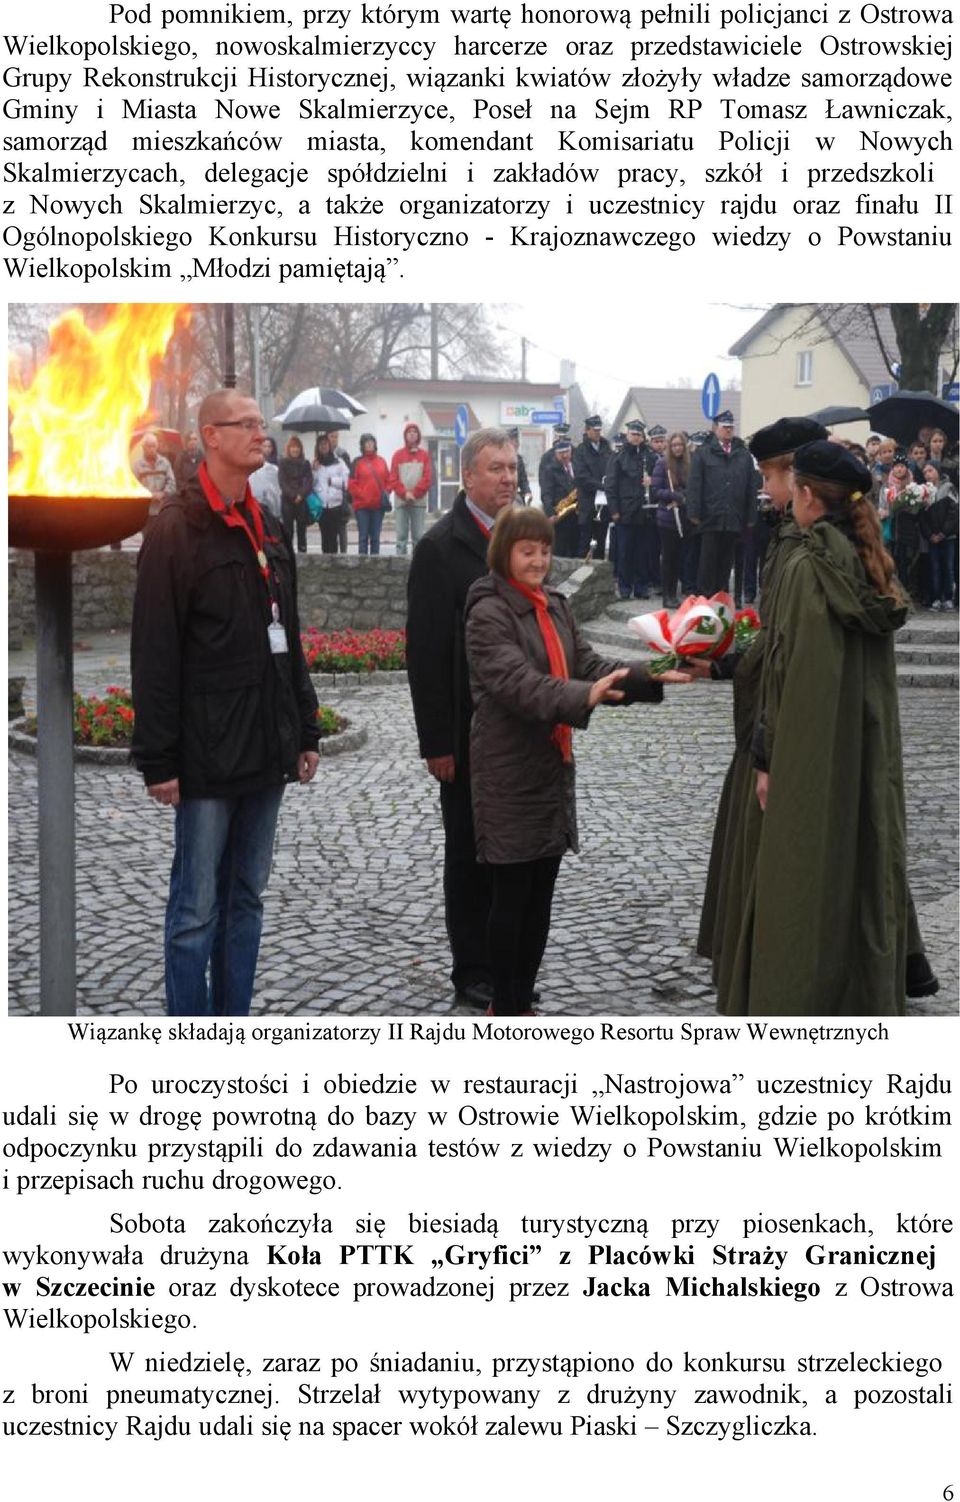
pixel 942 556
pixel 369 522
pixel 411 521
pixel 221 865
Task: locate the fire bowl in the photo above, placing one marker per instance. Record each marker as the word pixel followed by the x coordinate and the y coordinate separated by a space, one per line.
pixel 67 524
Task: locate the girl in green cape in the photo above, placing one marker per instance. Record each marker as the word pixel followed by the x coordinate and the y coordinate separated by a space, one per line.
pixel 823 929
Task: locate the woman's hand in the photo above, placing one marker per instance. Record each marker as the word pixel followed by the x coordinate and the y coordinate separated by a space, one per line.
pixel 673 676
pixel 763 787
pixel 603 691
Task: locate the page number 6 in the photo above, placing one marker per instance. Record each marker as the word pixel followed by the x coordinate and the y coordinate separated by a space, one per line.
pixel 947 1494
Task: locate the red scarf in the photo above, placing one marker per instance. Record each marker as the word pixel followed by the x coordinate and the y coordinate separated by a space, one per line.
pixel 562 735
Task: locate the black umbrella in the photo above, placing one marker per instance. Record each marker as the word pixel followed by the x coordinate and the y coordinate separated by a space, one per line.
pixel 314 417
pixel 833 417
pixel 902 415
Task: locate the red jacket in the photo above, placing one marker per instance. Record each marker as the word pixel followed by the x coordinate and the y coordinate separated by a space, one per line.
pixel 368 480
pixel 410 456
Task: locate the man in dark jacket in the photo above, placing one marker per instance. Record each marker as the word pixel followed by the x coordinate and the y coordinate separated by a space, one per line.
pixel 557 483
pixel 560 430
pixel 627 486
pixel 721 501
pixel 225 711
pixel 523 483
pixel 590 461
pixel 447 560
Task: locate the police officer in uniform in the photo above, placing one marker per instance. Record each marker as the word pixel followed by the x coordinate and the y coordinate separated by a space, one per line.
pixel 557 481
pixel 627 487
pixel 590 461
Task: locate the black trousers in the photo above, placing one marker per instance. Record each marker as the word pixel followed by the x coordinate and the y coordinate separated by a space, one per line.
pixel 295 519
pixel 466 886
pixel 716 561
pixel 517 930
pixel 671 551
pixel 330 530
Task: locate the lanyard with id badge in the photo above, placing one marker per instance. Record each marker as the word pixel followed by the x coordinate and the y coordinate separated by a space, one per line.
pixel 276 634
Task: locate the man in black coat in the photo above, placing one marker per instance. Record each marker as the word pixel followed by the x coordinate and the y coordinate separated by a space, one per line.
pixel 721 501
pixel 560 430
pixel 556 484
pixel 225 710
pixel 627 488
pixel 590 461
pixel 523 484
pixel 446 561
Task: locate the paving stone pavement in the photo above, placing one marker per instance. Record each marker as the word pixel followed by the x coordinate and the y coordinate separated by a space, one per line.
pixel 354 914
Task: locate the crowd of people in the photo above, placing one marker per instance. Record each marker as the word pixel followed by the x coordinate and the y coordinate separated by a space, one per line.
pixel 679 513
pixel 676 513
pixel 807 907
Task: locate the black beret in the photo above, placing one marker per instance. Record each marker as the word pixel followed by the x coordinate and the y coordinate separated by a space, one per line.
pixel 785 435
pixel 831 461
pixel 636 426
pixel 593 422
pixel 658 431
pixel 725 419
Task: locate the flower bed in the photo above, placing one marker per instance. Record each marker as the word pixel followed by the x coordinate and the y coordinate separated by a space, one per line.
pixel 103 729
pixel 354 651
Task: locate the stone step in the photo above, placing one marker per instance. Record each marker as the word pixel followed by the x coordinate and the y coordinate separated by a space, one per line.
pixel 933 654
pixel 913 675
pixel 932 628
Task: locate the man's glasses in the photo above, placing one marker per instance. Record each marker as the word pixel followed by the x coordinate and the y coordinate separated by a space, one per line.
pixel 249 424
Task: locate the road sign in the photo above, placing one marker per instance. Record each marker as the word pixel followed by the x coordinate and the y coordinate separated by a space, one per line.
pixel 554 415
pixel 950 391
pixel 880 393
pixel 461 425
pixel 710 397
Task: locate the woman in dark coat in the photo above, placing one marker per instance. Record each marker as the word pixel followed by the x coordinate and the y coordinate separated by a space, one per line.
pixel 823 929
pixel 532 677
pixel 668 488
pixel 296 483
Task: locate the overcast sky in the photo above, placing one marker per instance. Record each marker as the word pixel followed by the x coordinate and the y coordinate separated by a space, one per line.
pixel 638 340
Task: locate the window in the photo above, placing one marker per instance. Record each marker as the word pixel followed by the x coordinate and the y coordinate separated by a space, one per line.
pixel 805 367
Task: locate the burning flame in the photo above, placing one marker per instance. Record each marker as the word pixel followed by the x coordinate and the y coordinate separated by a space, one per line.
pixel 71 425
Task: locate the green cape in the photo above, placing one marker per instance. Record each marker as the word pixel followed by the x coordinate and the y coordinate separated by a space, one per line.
pixel 823 925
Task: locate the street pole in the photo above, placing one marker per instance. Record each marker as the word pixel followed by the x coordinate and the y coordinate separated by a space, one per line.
pixel 434 342
pixel 523 359
pixel 55 785
pixel 229 346
pixel 257 374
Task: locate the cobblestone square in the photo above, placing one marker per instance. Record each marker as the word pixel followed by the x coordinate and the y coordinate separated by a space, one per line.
pixel 354 912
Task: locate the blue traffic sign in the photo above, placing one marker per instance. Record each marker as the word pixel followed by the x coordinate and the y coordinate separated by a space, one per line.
pixel 461 426
pixel 950 391
pixel 554 415
pixel 710 397
pixel 880 393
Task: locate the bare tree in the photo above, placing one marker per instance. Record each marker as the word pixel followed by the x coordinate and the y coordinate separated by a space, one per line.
pixel 911 335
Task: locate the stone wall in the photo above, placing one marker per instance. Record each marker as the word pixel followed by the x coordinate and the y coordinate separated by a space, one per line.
pixel 335 592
